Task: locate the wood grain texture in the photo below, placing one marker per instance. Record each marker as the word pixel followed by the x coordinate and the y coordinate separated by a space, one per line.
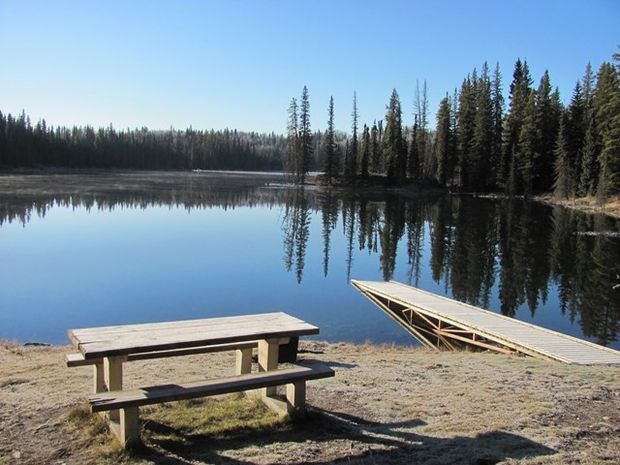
pixel 96 343
pixel 508 332
pixel 173 392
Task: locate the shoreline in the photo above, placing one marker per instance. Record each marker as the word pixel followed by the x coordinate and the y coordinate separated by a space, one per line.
pixel 391 404
pixel 374 184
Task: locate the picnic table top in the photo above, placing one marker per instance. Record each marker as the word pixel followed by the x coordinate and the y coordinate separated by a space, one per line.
pixel 110 341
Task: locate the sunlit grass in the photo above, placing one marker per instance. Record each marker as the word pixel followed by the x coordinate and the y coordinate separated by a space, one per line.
pixel 211 417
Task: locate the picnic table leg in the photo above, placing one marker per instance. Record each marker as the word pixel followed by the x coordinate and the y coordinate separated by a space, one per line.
pixel 98 377
pixel 243 363
pixel 296 398
pixel 268 360
pixel 113 376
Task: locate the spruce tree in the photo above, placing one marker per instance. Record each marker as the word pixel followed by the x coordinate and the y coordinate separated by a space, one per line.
pixel 365 152
pixel 305 137
pixel 548 124
pixel 562 187
pixel 375 152
pixel 606 107
pixel 393 140
pixel 519 93
pixel 413 156
pixel 497 99
pixel 482 144
pixel 442 142
pixel 352 165
pixel 465 132
pixel 589 160
pixel 292 151
pixel 527 147
pixel 330 166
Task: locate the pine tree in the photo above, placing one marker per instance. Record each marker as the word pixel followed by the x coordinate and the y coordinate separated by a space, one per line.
pixel 292 152
pixel 562 187
pixel 442 142
pixel 365 152
pixel 589 159
pixel 548 124
pixel 375 152
pixel 497 99
pixel 421 110
pixel 393 140
pixel 352 165
pixel 482 144
pixel 465 132
pixel 305 137
pixel 330 163
pixel 527 148
pixel 413 156
pixel 606 107
pixel 519 93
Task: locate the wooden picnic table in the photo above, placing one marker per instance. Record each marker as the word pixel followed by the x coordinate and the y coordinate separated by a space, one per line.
pixel 107 348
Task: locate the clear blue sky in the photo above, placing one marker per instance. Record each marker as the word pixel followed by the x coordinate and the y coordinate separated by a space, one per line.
pixel 216 64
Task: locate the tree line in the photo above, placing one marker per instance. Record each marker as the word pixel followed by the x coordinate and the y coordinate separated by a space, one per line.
pixel 536 144
pixel 24 144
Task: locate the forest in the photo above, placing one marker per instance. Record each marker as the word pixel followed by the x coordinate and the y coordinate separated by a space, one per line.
pixel 536 144
pixel 531 144
pixel 23 144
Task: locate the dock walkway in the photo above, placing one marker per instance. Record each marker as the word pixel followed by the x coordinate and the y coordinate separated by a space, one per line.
pixel 442 323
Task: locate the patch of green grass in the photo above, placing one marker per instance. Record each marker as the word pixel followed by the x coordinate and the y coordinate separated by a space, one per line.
pixel 211 416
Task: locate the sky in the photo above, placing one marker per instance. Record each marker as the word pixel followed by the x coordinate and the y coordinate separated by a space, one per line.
pixel 237 64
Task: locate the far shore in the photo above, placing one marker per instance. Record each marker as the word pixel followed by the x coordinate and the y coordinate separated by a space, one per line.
pixel 387 404
pixel 590 204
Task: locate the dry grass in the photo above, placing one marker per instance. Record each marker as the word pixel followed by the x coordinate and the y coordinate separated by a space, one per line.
pixel 385 405
pixel 610 207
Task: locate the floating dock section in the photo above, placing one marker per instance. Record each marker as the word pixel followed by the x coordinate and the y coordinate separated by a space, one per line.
pixel 442 323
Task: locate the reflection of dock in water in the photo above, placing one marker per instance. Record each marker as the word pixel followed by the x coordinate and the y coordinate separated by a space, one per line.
pixel 442 323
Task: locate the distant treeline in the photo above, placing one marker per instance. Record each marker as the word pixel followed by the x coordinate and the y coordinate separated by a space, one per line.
pixel 536 145
pixel 23 144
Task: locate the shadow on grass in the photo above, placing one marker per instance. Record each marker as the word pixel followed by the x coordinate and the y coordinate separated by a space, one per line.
pixel 327 437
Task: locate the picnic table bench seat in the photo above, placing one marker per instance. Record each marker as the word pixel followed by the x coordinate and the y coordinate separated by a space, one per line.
pixel 127 427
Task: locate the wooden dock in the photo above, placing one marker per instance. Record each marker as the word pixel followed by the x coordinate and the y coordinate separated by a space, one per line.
pixel 442 323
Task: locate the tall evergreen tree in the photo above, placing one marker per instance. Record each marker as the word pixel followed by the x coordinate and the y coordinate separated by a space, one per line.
pixel 393 152
pixel 562 187
pixel 465 132
pixel 351 168
pixel 482 143
pixel 519 93
pixel 442 142
pixel 365 152
pixel 413 155
pixel 548 122
pixel 606 107
pixel 375 152
pixel 305 138
pixel 330 163
pixel 497 98
pixel 527 148
pixel 292 152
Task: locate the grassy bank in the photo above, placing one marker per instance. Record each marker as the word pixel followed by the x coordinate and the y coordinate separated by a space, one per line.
pixel 385 405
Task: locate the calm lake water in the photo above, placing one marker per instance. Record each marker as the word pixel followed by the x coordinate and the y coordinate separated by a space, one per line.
pixel 100 249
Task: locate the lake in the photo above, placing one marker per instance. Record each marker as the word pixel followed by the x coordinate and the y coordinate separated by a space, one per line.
pixel 111 248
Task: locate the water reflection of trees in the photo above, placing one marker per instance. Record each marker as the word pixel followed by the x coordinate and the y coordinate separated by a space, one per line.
pixel 475 248
pixel 521 249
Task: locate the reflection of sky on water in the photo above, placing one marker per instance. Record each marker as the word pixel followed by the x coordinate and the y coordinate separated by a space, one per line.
pixel 77 267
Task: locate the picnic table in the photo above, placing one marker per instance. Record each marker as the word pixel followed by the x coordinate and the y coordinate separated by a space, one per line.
pixel 108 348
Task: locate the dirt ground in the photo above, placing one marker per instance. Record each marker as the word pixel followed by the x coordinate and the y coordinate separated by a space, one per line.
pixel 385 405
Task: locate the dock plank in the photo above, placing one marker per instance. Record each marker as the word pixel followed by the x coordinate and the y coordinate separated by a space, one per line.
pixel 521 336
